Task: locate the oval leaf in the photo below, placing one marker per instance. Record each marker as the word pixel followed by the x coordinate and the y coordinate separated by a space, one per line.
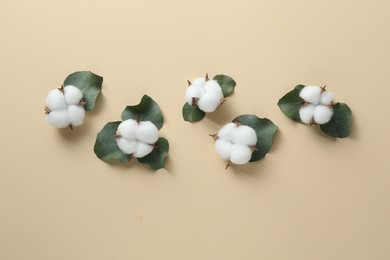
pixel 155 160
pixel 146 110
pixel 90 85
pixel 227 84
pixel 291 103
pixel 106 147
pixel 340 124
pixel 192 113
pixel 265 130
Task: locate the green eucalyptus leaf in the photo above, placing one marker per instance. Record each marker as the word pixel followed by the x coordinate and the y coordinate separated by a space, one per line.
pixel 155 160
pixel 291 103
pixel 227 84
pixel 340 124
pixel 265 130
pixel 146 110
pixel 192 113
pixel 106 147
pixel 90 85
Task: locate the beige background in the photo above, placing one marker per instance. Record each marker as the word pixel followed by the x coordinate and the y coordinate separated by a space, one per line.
pixel 312 197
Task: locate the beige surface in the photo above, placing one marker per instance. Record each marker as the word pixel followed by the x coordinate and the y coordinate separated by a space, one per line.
pixel 311 198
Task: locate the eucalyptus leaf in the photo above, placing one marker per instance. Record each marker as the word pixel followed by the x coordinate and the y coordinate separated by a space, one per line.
pixel 90 85
pixel 340 124
pixel 155 160
pixel 146 110
pixel 291 103
pixel 192 113
pixel 106 147
pixel 227 84
pixel 265 130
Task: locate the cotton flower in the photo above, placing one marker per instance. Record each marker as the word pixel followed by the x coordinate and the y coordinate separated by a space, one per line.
pixel 65 107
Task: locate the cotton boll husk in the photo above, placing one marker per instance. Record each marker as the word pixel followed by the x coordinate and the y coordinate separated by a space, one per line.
pixel 147 132
pixel 73 95
pixel 227 131
pixel 213 86
pixel 311 94
pixel 58 119
pixel 143 149
pixel 76 115
pixel 194 91
pixel 209 102
pixel 224 148
pixel 127 146
pixel 306 113
pixel 245 135
pixel 240 154
pixel 322 114
pixel 55 100
pixel 327 97
pixel 199 81
pixel 128 128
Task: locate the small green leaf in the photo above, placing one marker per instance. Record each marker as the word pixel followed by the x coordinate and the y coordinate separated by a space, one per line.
pixel 146 110
pixel 265 130
pixel 192 113
pixel 340 124
pixel 90 85
pixel 227 84
pixel 106 147
pixel 155 160
pixel 291 103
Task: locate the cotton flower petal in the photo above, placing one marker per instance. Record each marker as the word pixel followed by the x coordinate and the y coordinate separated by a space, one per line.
pixel 327 97
pixel 306 113
pixel 55 100
pixel 311 94
pixel 76 115
pixel 323 114
pixel 128 128
pixel 241 154
pixel 73 95
pixel 127 146
pixel 213 86
pixel 245 135
pixel 143 149
pixel 224 148
pixel 147 132
pixel 227 131
pixel 209 102
pixel 58 118
pixel 194 91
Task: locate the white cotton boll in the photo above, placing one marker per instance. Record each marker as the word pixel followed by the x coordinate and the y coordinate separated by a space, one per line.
pixel 73 95
pixel 245 135
pixel 143 149
pixel 322 114
pixel 311 94
pixel 227 131
pixel 306 113
pixel 240 154
pixel 199 81
pixel 76 115
pixel 55 100
pixel 127 146
pixel 147 132
pixel 209 102
pixel 224 148
pixel 327 97
pixel 194 91
pixel 58 119
pixel 128 128
pixel 213 86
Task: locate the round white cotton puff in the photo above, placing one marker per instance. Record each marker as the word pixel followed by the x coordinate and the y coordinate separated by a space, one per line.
pixel 147 132
pixel 58 118
pixel 240 154
pixel 128 128
pixel 306 113
pixel 194 91
pixel 127 146
pixel 327 97
pixel 245 135
pixel 76 115
pixel 209 102
pixel 73 95
pixel 55 100
pixel 311 94
pixel 143 149
pixel 227 131
pixel 199 81
pixel 213 86
pixel 224 148
pixel 322 114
